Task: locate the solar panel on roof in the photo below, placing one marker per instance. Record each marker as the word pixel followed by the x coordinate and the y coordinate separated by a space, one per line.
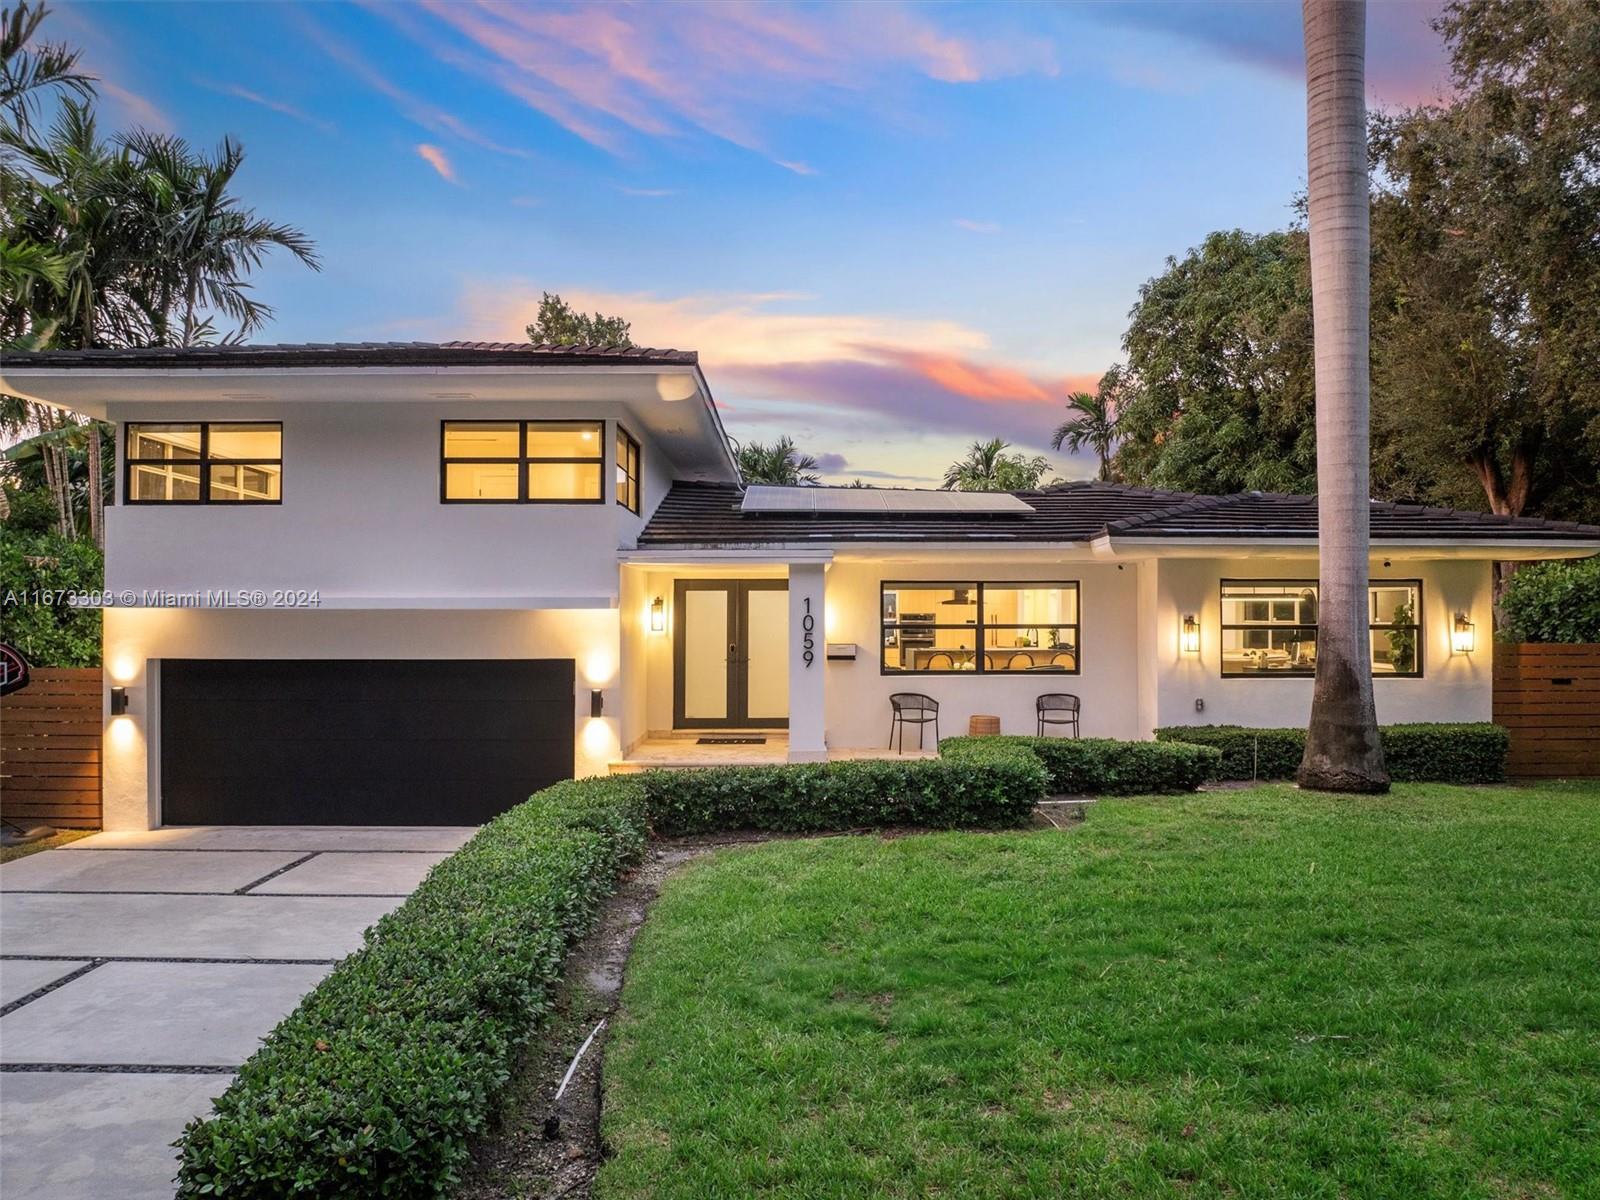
pixel 869 501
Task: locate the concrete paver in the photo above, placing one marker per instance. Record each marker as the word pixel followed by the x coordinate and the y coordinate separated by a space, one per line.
pixel 372 873
pixel 20 976
pixel 152 870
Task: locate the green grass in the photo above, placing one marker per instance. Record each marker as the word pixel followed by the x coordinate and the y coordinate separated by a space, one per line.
pixel 1261 993
pixel 7 853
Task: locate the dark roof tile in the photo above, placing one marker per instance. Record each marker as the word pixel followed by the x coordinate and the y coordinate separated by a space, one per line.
pixel 352 354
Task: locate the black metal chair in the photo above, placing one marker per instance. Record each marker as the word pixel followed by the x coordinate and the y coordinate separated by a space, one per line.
pixel 1052 706
pixel 933 661
pixel 1025 659
pixel 913 708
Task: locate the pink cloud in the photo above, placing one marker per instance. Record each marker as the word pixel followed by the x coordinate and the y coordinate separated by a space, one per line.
pixel 436 159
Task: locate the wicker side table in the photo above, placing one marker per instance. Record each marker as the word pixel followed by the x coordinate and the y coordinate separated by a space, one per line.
pixel 982 725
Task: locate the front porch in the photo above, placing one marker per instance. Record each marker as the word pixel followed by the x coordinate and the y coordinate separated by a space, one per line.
pixel 687 749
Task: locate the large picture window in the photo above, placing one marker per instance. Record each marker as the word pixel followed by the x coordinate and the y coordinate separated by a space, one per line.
pixel 984 628
pixel 1269 627
pixel 627 471
pixel 203 462
pixel 522 462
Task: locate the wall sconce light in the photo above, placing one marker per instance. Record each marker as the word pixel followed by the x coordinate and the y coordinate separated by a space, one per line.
pixel 658 615
pixel 1463 635
pixel 1191 634
pixel 597 702
pixel 119 701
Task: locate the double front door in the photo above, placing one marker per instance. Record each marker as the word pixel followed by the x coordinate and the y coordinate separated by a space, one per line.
pixel 731 654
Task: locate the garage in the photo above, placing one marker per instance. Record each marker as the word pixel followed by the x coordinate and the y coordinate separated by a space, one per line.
pixel 360 742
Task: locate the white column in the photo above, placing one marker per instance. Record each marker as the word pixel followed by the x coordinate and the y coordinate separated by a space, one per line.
pixel 807 664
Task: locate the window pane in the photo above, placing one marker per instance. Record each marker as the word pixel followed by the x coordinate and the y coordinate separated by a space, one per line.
pixel 564 481
pixel 178 482
pixel 563 439
pixel 245 442
pixel 480 481
pixel 246 481
pixel 1394 649
pixel 1005 604
pixel 1031 648
pixel 932 603
pixel 1393 604
pixel 1270 649
pixel 930 649
pixel 164 441
pixel 483 439
pixel 1274 603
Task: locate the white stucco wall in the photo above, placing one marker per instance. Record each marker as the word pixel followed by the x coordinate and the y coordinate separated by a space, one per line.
pixel 1453 687
pixel 136 639
pixel 361 519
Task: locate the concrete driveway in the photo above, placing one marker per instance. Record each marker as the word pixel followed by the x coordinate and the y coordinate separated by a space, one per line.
pixel 138 970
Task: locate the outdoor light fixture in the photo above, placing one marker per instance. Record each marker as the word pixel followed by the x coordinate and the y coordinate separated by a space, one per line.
pixel 658 615
pixel 1463 636
pixel 1191 634
pixel 119 701
pixel 597 702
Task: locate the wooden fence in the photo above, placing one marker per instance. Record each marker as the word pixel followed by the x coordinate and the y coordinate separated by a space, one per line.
pixel 1548 696
pixel 50 749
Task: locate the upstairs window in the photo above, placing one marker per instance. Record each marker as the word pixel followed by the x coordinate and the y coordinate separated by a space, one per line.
pixel 627 471
pixel 1269 627
pixel 522 462
pixel 984 628
pixel 204 462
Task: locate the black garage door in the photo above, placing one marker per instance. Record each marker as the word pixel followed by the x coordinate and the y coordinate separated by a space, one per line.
pixel 368 742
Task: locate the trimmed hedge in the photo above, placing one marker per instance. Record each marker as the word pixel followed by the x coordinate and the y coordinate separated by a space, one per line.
pixel 988 786
pixel 1554 602
pixel 1104 766
pixel 375 1083
pixel 1459 753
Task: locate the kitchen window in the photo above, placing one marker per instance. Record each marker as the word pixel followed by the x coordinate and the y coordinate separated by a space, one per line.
pixel 627 471
pixel 1269 627
pixel 203 462
pixel 984 628
pixel 522 462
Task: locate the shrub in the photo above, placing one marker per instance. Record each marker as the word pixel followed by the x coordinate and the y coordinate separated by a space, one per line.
pixel 1554 602
pixel 50 635
pixel 1458 753
pixel 1104 766
pixel 375 1083
pixel 990 786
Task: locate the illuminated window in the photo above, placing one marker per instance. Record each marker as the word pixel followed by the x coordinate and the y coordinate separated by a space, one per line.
pixel 204 462
pixel 1269 627
pixel 522 462
pixel 983 628
pixel 627 471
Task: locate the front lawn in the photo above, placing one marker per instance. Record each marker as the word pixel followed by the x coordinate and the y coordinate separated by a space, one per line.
pixel 1261 993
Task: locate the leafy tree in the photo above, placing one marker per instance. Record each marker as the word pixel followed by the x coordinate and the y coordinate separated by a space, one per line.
pixel 1554 602
pixel 1092 419
pixel 778 464
pixel 988 468
pixel 50 635
pixel 559 325
pixel 1343 753
pixel 1219 378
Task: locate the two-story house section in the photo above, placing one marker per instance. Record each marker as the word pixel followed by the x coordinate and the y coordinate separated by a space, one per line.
pixel 410 583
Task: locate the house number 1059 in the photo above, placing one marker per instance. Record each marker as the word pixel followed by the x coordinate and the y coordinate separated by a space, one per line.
pixel 808 625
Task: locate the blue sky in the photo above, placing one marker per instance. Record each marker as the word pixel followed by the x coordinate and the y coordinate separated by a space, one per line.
pixel 889 229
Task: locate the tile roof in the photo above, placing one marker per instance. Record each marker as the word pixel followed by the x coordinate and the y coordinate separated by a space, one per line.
pixel 354 354
pixel 701 514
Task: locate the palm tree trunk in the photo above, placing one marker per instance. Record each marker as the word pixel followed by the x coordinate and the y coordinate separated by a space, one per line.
pixel 97 502
pixel 1342 748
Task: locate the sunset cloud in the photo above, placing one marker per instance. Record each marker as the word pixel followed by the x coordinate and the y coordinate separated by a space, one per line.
pixel 278 106
pixel 436 159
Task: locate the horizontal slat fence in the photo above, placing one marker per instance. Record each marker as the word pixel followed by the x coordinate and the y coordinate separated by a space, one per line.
pixel 50 749
pixel 1548 696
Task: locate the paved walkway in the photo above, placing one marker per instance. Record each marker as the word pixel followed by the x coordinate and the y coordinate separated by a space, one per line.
pixel 138 970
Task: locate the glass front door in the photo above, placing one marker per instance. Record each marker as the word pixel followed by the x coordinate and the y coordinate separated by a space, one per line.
pixel 731 654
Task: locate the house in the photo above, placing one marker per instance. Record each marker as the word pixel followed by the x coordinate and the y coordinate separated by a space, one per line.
pixel 411 583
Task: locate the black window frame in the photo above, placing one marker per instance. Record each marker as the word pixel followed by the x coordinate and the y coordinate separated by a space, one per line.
pixel 1415 626
pixel 203 463
pixel 633 476
pixel 523 460
pixel 980 627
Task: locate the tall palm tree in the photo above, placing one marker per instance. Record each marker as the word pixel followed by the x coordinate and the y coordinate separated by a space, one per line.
pixel 1342 748
pixel 988 468
pixel 1091 422
pixel 28 72
pixel 778 465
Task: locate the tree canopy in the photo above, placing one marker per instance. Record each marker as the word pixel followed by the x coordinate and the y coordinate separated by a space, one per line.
pixel 778 464
pixel 558 324
pixel 988 468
